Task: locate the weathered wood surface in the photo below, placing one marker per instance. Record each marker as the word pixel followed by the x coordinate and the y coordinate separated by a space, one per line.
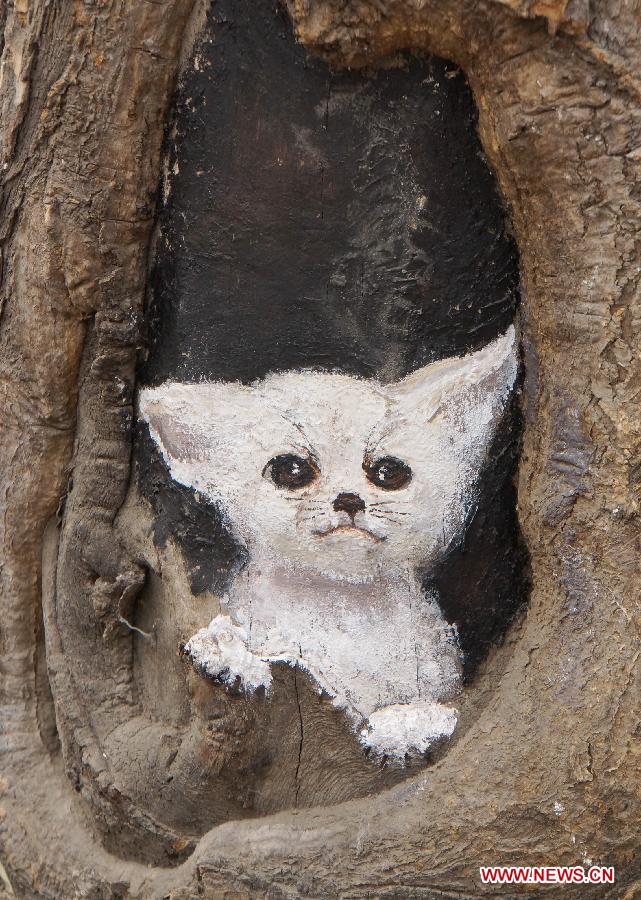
pixel 84 93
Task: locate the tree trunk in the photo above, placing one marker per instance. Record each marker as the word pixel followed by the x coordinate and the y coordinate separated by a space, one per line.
pixel 547 768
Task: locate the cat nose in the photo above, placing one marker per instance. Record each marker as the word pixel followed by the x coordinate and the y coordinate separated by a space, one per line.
pixel 349 503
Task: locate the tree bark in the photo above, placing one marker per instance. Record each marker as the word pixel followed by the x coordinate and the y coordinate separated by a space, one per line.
pixel 547 767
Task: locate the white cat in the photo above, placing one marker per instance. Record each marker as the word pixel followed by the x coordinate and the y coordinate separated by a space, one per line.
pixel 340 488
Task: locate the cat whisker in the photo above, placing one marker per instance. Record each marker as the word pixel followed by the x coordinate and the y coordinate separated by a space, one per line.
pixel 387 518
pixel 311 504
pixel 307 519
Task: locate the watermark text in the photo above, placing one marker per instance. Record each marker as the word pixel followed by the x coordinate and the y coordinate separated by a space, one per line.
pixel 547 875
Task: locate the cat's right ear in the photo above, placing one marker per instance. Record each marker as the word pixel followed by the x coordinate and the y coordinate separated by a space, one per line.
pixel 189 421
pixel 171 413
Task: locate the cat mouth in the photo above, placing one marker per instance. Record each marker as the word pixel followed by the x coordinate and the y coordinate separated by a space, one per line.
pixel 354 529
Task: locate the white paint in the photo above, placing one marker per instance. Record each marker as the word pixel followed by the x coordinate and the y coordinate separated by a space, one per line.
pixel 232 661
pixel 333 596
pixel 410 727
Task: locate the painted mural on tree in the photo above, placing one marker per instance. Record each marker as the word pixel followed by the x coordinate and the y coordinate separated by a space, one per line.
pixel 339 488
pixel 328 425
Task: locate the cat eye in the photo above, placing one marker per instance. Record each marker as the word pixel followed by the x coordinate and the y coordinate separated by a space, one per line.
pixel 290 471
pixel 388 473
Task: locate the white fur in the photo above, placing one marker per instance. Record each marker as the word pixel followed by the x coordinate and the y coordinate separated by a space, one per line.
pixel 345 605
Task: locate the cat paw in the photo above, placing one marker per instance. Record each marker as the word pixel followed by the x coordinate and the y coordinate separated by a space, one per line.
pixel 220 652
pixel 404 729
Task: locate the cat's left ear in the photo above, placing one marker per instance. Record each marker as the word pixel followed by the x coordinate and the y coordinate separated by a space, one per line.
pixel 485 377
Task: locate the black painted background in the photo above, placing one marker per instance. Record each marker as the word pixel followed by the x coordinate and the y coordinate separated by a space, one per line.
pixel 323 218
pixel 312 218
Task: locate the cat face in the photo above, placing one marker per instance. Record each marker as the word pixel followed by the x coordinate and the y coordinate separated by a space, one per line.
pixel 340 475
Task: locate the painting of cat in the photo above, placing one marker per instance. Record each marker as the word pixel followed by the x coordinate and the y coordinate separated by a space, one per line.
pixel 341 489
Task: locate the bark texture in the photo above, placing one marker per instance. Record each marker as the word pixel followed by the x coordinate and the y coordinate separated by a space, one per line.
pixel 547 765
